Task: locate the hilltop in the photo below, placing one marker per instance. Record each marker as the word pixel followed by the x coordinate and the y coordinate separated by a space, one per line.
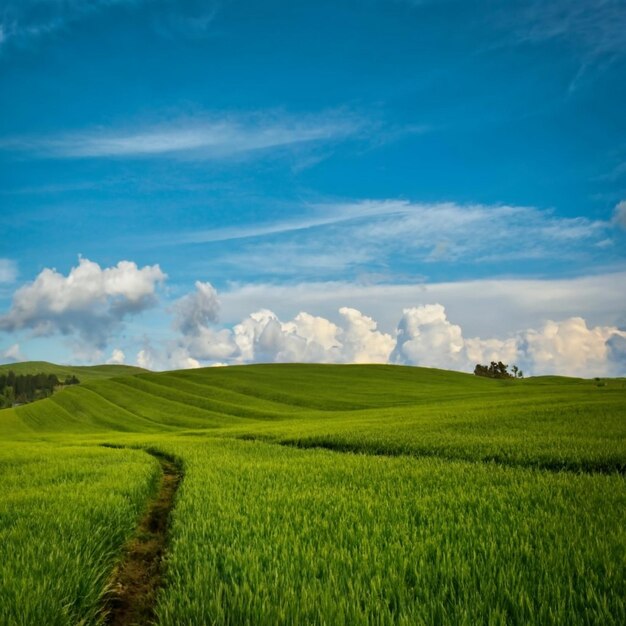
pixel 544 421
pixel 82 372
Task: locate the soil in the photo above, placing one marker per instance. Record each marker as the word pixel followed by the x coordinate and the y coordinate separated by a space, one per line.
pixel 132 592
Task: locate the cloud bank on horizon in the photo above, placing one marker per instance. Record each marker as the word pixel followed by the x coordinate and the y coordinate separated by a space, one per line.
pixel 90 305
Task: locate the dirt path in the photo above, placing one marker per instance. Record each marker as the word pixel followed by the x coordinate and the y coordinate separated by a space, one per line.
pixel 139 576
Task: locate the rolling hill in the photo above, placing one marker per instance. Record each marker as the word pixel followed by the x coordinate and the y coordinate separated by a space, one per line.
pixel 354 494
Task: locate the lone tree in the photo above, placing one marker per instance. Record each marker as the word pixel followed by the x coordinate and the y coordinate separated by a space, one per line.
pixel 497 370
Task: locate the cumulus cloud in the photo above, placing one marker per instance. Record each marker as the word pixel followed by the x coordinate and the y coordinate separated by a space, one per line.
pixel 197 309
pixel 12 354
pixel 117 357
pixel 485 308
pixel 424 336
pixel 570 347
pixel 264 337
pixel 193 315
pixel 211 344
pixel 619 214
pixel 477 350
pixel 179 359
pixel 361 341
pixel 172 356
pixel 146 358
pixel 617 352
pixel 89 303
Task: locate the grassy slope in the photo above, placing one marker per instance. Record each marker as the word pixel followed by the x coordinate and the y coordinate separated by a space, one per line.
pixel 269 534
pixel 549 422
pixel 83 373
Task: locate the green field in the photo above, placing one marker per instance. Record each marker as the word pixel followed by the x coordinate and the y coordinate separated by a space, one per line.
pixel 82 372
pixel 318 494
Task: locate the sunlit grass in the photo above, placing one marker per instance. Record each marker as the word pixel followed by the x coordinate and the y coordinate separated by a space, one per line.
pixel 64 515
pixel 441 498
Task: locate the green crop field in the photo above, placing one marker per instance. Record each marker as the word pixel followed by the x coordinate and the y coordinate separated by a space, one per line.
pixel 88 372
pixel 318 494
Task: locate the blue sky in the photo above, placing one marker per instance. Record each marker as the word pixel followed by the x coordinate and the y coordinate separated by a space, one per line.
pixel 307 156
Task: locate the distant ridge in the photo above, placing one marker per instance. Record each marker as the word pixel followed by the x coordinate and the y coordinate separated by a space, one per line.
pixel 82 372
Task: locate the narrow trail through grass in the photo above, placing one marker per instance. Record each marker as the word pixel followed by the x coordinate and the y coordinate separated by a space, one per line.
pixel 138 577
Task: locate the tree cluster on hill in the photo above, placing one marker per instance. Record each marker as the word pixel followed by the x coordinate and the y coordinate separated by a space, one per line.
pixel 22 388
pixel 498 370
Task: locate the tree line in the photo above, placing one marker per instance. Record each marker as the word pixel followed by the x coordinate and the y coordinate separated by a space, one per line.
pixel 498 370
pixel 22 388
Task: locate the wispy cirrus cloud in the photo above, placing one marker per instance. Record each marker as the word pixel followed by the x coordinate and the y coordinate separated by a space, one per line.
pixel 24 21
pixel 28 19
pixel 594 29
pixel 220 136
pixel 597 26
pixel 314 216
pixel 373 235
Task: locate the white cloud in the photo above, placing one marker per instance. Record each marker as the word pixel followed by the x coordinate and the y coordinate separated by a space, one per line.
pixel 146 358
pixel 88 303
pixel 171 357
pixel 569 347
pixel 197 309
pixel 12 354
pixel 315 216
pixel 8 271
pixel 211 344
pixel 424 336
pixel 193 315
pixel 117 357
pixel 489 307
pixel 263 337
pixel 220 137
pixel 178 359
pixel 485 351
pixel 369 236
pixel 619 214
pixel 361 341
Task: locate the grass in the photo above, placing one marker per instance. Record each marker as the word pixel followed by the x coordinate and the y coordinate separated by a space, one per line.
pixel 64 513
pixel 325 495
pixel 82 372
pixel 272 535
